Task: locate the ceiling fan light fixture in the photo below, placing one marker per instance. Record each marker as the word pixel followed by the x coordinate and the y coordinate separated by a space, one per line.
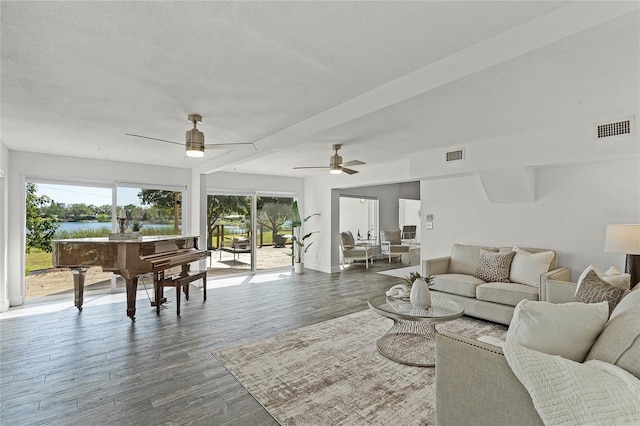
pixel 194 143
pixel 194 138
pixel 195 152
pixel 334 163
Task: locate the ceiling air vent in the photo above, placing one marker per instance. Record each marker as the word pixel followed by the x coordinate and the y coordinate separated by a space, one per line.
pixel 456 155
pixel 617 128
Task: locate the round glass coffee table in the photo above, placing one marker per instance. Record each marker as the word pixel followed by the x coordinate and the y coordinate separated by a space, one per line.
pixel 412 338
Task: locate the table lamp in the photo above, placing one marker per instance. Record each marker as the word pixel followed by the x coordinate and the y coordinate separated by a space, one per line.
pixel 625 238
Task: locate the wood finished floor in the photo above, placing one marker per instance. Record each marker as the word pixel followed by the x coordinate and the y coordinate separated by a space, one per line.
pixel 97 367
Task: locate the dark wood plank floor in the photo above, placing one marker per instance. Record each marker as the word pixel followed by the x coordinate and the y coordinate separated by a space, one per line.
pixel 97 367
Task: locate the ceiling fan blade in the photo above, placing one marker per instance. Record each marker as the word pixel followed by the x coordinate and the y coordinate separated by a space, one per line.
pixel 312 167
pixel 348 171
pixel 231 144
pixel 353 163
pixel 154 139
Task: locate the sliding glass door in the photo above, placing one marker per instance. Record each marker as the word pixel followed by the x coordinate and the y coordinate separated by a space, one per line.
pixel 273 232
pixel 229 232
pixel 248 233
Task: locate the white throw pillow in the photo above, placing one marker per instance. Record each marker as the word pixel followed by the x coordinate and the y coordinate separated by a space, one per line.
pixel 568 329
pixel 628 303
pixel 526 267
pixel 622 280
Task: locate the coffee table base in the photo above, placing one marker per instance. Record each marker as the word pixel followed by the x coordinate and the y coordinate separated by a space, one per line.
pixel 410 343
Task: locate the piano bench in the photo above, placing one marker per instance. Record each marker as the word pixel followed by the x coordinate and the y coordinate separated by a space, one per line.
pixel 181 284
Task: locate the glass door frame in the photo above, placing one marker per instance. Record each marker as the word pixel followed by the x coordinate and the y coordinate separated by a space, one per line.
pixel 253 213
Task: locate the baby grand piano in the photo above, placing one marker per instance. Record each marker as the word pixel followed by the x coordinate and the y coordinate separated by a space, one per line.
pixel 128 258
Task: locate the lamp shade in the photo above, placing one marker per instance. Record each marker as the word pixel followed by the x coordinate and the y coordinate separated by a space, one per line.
pixel 622 239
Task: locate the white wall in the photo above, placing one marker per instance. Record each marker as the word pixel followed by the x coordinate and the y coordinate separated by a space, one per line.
pixel 573 205
pixel 410 215
pixel 4 178
pixel 250 183
pixel 354 215
pixel 28 165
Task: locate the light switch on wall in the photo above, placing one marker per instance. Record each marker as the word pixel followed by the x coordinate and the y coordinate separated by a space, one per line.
pixel 429 225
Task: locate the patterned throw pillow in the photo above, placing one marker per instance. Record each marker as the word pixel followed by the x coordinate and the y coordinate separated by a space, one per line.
pixel 594 290
pixel 494 266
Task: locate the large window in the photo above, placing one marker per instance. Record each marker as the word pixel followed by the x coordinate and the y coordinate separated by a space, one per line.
pixel 61 210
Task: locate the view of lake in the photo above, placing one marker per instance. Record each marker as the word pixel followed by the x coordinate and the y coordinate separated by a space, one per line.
pixel 75 226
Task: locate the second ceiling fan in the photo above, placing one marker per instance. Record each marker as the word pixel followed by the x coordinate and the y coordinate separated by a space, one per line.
pixel 336 166
pixel 194 140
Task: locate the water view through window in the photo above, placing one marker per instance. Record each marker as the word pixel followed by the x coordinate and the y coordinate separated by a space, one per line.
pixel 59 211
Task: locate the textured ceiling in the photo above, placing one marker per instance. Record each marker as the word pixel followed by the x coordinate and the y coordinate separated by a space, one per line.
pixel 295 77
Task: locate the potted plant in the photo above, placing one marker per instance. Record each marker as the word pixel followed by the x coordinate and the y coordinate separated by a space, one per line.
pixel 409 279
pixel 298 246
pixel 419 285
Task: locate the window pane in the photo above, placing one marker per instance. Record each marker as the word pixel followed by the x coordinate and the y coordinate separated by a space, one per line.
pixel 229 233
pixel 273 233
pixel 59 212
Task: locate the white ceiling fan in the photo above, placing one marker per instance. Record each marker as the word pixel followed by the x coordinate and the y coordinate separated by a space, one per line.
pixel 336 166
pixel 194 140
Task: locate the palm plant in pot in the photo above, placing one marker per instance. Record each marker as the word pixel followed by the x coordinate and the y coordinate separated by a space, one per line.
pixel 298 245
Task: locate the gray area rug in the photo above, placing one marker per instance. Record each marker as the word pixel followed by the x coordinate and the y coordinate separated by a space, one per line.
pixel 331 373
pixel 401 272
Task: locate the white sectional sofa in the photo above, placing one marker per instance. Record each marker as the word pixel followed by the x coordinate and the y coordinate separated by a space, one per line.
pixel 476 386
pixel 455 277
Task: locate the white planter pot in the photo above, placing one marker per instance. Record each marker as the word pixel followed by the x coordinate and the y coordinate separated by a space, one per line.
pixel 298 267
pixel 420 296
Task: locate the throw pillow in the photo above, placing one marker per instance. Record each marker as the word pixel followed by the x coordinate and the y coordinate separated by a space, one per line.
pixel 494 266
pixel 568 329
pixel 594 290
pixel 622 280
pixel 526 267
pixel 630 302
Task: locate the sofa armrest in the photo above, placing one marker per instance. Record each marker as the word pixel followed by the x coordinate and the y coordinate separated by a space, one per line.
pixel 436 266
pixel 555 286
pixel 559 291
pixel 475 385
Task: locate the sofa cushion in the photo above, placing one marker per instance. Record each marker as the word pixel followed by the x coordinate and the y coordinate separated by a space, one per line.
pixel 568 329
pixel 619 342
pixel 554 261
pixel 594 290
pixel 622 280
pixel 630 302
pixel 494 266
pixel 464 259
pixel 460 284
pixel 506 293
pixel 527 267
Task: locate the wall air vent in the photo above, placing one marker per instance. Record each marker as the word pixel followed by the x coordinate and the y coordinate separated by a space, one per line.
pixel 456 155
pixel 616 128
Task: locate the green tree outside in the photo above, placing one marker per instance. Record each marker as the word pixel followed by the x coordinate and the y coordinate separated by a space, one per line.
pixel 40 230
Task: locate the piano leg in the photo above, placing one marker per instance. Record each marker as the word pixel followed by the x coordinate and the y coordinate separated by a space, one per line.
pixel 132 289
pixel 78 286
